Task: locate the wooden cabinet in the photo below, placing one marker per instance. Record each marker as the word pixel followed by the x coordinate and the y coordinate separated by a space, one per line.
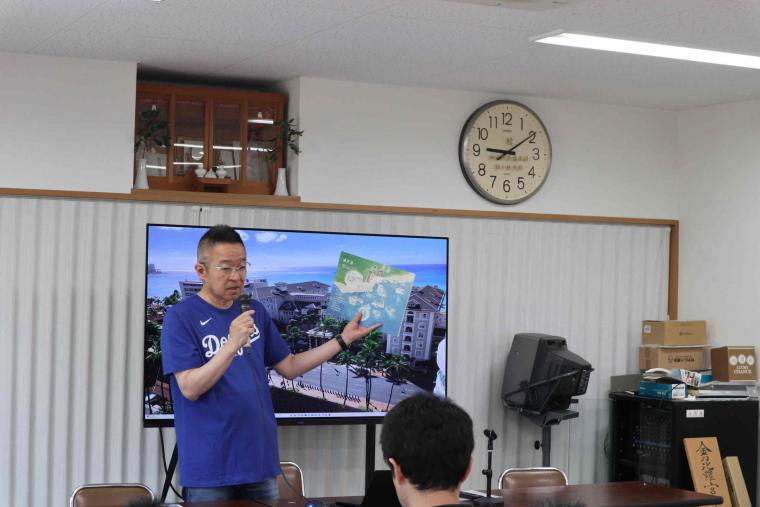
pixel 210 128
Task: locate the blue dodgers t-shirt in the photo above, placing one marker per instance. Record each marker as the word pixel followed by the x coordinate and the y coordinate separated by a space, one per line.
pixel 229 434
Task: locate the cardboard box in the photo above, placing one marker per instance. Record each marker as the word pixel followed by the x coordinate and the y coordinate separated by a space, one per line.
pixel 664 391
pixel 736 485
pixel 733 363
pixel 685 358
pixel 674 332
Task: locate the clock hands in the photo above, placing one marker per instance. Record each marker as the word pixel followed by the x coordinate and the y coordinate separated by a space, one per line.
pixel 531 135
pixel 503 152
pixel 511 151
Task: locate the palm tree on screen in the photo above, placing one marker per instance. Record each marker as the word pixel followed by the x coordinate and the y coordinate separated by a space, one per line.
pixel 345 358
pixel 369 358
pixel 396 369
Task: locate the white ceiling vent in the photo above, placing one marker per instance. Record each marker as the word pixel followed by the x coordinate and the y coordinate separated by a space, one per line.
pixel 532 5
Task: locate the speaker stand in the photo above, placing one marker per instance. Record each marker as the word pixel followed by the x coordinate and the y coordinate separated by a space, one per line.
pixel 546 421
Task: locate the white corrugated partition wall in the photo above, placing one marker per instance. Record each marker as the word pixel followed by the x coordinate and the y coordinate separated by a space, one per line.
pixel 71 331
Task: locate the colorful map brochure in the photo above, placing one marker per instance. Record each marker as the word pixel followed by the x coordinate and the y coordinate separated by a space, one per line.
pixel 379 291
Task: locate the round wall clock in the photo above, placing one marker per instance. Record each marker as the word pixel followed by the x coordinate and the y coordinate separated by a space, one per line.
pixel 505 152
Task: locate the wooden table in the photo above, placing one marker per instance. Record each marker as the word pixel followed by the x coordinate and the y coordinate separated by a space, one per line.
pixel 609 494
pixel 605 494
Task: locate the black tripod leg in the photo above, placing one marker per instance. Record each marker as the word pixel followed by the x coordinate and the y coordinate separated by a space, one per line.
pixel 169 474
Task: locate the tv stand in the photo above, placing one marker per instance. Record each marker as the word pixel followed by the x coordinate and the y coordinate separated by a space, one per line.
pixel 546 420
pixel 369 454
pixel 169 474
pixel 369 462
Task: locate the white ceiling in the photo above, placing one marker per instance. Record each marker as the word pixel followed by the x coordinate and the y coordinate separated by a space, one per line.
pixel 425 43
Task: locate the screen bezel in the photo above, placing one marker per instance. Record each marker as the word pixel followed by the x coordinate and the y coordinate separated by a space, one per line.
pixel 363 418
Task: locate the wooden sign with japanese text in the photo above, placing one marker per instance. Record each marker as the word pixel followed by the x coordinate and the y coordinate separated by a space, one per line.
pixel 706 467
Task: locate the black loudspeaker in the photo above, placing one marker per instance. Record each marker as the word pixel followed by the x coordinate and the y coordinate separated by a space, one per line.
pixel 541 375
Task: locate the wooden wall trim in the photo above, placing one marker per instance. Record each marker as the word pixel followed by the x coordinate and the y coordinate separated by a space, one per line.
pixel 292 202
pixel 168 196
pixel 673 273
pixel 295 202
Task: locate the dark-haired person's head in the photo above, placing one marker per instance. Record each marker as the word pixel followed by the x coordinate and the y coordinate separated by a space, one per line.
pixel 221 265
pixel 428 443
pixel 218 234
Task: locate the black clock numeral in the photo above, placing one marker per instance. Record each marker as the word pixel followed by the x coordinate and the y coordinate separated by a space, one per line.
pixel 482 133
pixel 481 169
pixel 536 154
pixel 476 149
pixel 506 118
pixel 520 182
pixel 532 138
pixel 522 127
pixel 532 172
pixel 493 122
pixel 506 186
pixel 493 180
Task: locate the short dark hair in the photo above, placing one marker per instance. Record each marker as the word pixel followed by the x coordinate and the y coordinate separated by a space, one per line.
pixel 431 440
pixel 217 234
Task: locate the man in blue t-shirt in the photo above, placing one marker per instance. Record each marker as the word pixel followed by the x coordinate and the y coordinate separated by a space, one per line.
pixel 218 355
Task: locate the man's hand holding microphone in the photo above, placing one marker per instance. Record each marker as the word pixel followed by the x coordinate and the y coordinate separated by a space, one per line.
pixel 241 330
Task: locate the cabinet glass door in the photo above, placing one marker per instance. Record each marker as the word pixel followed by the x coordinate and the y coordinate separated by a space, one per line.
pixel 261 143
pixel 219 140
pixel 228 135
pixel 155 155
pixel 189 136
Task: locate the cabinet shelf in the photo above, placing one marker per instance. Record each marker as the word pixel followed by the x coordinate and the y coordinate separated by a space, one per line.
pixel 210 127
pixel 213 184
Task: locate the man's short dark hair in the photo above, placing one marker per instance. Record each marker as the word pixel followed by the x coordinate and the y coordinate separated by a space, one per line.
pixel 431 440
pixel 217 234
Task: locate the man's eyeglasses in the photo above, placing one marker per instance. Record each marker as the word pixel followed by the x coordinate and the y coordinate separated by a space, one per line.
pixel 228 271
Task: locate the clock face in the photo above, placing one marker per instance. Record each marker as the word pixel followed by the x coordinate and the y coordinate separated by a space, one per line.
pixel 505 152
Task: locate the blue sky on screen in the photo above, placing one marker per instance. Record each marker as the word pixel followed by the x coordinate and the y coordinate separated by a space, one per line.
pixel 173 248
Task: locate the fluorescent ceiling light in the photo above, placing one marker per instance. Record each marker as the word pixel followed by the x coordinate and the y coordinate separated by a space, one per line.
pixel 265 122
pixel 650 49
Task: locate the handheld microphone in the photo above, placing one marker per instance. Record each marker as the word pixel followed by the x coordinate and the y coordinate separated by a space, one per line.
pixel 245 304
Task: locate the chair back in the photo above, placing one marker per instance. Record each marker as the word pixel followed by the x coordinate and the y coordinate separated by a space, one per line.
pixel 294 476
pixel 109 495
pixel 531 477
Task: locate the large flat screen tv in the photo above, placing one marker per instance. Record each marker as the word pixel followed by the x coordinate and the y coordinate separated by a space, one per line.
pixel 308 282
